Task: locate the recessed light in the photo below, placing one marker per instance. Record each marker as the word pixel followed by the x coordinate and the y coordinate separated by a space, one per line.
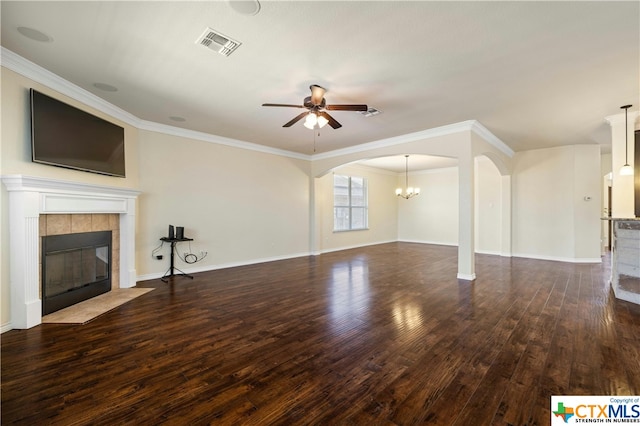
pixel 176 118
pixel 106 87
pixel 245 7
pixel 34 34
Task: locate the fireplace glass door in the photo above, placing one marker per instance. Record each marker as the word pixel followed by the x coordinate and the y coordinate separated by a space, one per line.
pixel 70 269
pixel 75 267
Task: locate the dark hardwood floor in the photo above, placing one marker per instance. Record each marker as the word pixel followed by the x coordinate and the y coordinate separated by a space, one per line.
pixel 378 335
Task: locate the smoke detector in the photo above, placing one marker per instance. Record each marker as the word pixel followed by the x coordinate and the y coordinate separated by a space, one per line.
pixel 218 42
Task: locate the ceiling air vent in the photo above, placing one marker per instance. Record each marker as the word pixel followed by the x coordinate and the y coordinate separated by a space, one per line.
pixel 370 112
pixel 217 42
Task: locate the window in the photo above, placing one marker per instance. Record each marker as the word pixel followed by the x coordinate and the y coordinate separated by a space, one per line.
pixel 350 204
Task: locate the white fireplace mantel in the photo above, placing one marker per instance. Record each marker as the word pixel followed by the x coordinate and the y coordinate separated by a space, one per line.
pixel 29 197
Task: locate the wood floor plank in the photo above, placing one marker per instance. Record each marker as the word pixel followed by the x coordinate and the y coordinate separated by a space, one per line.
pixel 381 335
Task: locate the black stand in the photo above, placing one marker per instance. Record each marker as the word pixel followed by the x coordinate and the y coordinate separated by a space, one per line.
pixel 170 271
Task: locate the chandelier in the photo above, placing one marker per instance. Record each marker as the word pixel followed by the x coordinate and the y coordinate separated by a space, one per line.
pixel 408 191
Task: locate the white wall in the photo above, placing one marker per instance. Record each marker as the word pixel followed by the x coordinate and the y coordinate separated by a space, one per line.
pixel 551 219
pixel 383 212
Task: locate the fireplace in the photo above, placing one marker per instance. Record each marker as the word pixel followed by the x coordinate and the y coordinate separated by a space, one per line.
pixel 75 267
pixel 32 197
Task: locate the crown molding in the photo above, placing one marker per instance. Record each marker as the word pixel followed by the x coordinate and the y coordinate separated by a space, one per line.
pixel 619 118
pixel 35 72
pixel 490 138
pixel 463 126
pixel 22 66
pixel 221 140
pixel 397 140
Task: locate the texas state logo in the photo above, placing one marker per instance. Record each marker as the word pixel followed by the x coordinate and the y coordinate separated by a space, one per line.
pixel 563 412
pixel 573 409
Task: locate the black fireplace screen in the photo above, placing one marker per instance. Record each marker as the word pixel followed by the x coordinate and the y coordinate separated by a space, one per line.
pixel 75 267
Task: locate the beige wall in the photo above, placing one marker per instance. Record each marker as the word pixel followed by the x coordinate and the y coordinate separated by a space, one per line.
pixel 383 214
pixel 239 206
pixel 243 206
pixel 16 136
pixel 551 218
pixel 431 217
pixel 15 158
pixel 488 207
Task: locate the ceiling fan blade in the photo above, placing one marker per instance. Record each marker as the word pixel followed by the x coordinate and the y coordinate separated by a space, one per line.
pixel 317 94
pixel 345 107
pixel 283 105
pixel 296 119
pixel 332 121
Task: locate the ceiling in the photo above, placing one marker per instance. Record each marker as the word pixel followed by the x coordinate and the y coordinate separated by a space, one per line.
pixel 535 74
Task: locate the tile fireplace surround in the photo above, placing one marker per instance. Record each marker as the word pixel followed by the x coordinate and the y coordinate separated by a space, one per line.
pixel 29 197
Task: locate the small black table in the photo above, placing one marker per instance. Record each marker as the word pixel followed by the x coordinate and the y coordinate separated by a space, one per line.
pixel 170 271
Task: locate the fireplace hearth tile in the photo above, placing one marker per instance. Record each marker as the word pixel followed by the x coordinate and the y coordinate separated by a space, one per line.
pixel 88 310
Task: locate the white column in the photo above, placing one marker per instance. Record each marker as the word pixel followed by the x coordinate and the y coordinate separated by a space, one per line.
pixel 505 216
pixel 314 228
pixel 128 246
pixel 466 230
pixel 26 307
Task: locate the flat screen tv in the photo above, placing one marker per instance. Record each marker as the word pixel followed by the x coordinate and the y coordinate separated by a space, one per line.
pixel 64 136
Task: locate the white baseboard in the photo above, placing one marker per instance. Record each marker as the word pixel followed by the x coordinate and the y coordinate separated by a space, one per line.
pixel 559 259
pixel 435 243
pixel 195 270
pixel 5 327
pixel 466 277
pixel 356 246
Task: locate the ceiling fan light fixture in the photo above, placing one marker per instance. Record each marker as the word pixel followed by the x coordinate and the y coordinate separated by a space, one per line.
pixel 310 121
pixel 317 107
pixel 322 121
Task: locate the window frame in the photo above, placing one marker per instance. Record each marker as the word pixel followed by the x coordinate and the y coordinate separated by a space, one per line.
pixel 350 206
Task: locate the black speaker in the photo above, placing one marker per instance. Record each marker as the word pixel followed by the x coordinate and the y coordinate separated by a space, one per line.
pixel 179 232
pixel 171 232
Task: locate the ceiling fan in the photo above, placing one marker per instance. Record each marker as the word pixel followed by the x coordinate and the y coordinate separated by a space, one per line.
pixel 316 105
